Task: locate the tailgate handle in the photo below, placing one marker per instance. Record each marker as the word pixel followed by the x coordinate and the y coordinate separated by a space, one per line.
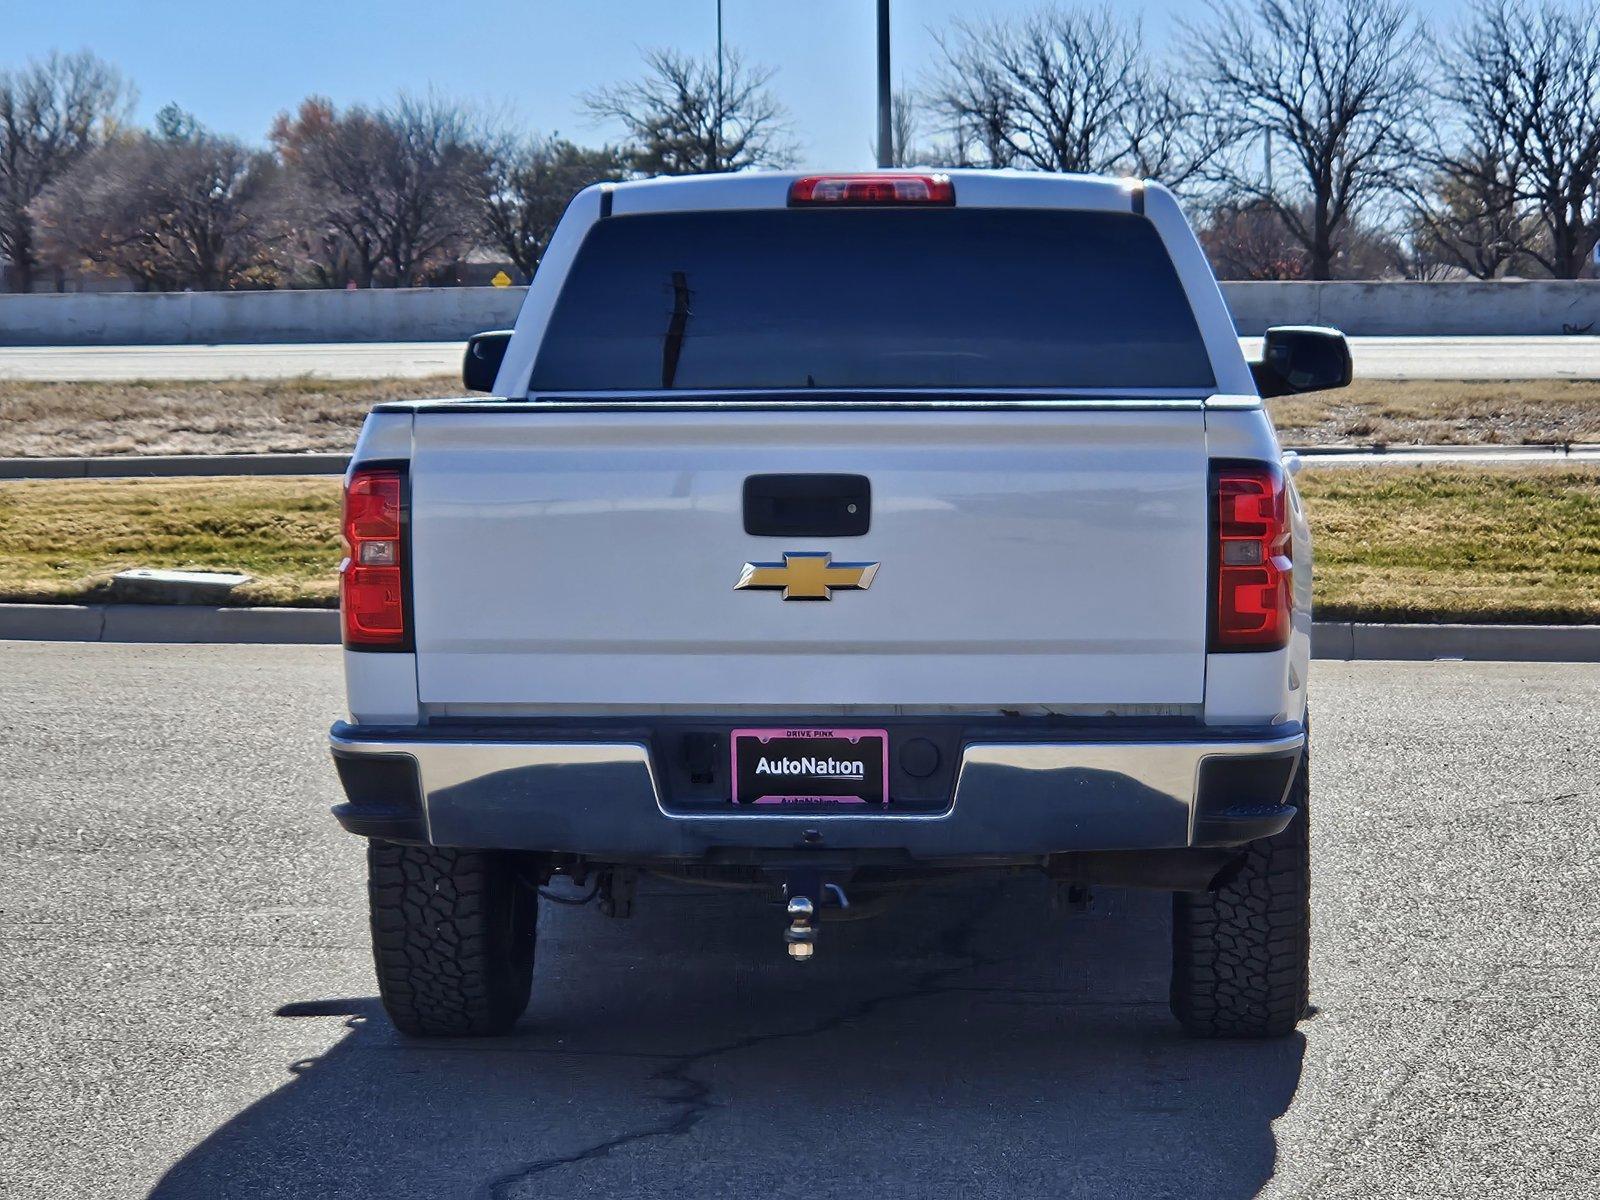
pixel 807 505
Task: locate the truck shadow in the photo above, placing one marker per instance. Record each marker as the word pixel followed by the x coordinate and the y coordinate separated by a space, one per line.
pixel 969 1041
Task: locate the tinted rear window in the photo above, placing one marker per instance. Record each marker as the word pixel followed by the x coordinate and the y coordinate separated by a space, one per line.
pixel 863 298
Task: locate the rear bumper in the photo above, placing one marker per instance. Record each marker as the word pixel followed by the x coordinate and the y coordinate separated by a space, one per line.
pixel 600 796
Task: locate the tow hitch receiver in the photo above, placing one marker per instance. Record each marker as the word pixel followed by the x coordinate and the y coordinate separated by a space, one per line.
pixel 805 893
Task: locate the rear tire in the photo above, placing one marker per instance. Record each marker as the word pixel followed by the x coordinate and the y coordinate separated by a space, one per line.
pixel 452 938
pixel 1241 954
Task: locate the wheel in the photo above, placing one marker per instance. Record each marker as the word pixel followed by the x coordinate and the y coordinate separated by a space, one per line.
pixel 1241 954
pixel 452 937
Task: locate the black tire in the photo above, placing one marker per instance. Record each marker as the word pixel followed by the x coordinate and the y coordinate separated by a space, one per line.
pixel 452 937
pixel 1241 954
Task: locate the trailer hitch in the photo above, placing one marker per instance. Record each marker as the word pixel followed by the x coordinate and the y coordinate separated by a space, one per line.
pixel 802 932
pixel 805 893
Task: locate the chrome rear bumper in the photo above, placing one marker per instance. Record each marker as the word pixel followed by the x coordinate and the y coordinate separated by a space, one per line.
pixel 1010 800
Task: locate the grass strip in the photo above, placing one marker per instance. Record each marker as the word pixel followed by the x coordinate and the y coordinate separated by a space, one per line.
pixel 1438 412
pixel 62 540
pixel 1471 544
pixel 237 416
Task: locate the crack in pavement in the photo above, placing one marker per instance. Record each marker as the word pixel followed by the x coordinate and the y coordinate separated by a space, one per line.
pixel 694 1098
pixel 1410 1067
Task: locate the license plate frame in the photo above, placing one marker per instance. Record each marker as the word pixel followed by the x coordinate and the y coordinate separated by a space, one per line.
pixel 784 747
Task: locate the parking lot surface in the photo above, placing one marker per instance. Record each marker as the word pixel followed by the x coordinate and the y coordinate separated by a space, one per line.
pixel 187 1006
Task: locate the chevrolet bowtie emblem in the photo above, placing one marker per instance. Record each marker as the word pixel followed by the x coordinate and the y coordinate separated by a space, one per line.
pixel 807 575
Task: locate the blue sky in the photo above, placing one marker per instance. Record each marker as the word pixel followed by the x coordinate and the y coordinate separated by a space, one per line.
pixel 235 64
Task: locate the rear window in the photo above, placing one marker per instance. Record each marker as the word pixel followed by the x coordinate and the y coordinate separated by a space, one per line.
pixel 872 298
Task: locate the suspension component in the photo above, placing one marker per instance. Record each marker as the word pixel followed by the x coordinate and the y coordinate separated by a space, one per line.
pixel 616 888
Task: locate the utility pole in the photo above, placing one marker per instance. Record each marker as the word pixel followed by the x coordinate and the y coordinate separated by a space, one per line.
pixel 885 94
pixel 716 114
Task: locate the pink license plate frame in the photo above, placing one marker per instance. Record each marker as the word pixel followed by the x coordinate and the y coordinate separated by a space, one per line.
pixel 802 734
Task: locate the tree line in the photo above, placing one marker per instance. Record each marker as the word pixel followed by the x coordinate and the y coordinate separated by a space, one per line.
pixel 1308 138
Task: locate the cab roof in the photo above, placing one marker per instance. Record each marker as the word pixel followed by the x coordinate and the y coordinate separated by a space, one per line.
pixel 973 188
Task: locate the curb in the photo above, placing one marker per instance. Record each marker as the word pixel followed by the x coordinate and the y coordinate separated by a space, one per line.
pixel 172 623
pixel 1358 642
pixel 195 624
pixel 132 466
pixel 1518 450
pixel 1453 456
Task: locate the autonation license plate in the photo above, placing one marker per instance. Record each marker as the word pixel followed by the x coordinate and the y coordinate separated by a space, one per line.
pixel 810 766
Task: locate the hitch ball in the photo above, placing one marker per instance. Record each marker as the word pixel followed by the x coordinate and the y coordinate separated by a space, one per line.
pixel 801 929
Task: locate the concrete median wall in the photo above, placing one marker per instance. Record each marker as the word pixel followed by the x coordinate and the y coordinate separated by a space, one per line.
pixel 1536 307
pixel 1529 308
pixel 198 318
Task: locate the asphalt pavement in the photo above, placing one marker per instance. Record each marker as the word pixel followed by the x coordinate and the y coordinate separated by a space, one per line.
pixel 187 1006
pixel 1375 358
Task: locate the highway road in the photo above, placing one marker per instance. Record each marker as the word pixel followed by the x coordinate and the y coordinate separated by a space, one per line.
pixel 187 1006
pixel 1375 358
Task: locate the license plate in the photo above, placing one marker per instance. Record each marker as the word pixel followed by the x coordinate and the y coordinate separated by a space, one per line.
pixel 810 766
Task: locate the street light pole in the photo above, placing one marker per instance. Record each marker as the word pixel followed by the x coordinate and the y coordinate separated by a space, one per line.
pixel 885 98
pixel 716 115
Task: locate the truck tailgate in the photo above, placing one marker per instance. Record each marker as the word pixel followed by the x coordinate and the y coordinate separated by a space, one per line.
pixel 571 558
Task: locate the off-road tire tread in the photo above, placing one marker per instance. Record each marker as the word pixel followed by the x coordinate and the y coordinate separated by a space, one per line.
pixel 1241 953
pixel 452 939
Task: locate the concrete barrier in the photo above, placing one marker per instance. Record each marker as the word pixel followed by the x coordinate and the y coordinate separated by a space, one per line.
pixel 1525 308
pixel 201 318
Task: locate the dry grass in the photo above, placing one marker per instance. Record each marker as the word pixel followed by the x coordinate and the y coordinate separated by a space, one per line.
pixel 246 416
pixel 1510 544
pixel 62 540
pixel 1440 412
pixel 1454 544
pixel 262 416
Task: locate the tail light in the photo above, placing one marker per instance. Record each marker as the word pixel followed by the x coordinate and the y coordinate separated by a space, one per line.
pixel 1251 558
pixel 872 189
pixel 372 576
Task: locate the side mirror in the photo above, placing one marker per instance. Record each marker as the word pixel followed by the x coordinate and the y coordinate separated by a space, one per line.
pixel 1301 358
pixel 485 351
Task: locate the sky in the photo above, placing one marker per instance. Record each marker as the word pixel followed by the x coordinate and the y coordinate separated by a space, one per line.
pixel 237 63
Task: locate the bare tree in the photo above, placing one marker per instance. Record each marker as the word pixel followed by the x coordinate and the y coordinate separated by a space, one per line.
pixel 432 156
pixel 382 194
pixel 52 113
pixel 1524 82
pixel 1338 86
pixel 902 128
pixel 191 210
pixel 1468 217
pixel 337 215
pixel 525 187
pixel 1070 90
pixel 1250 242
pixel 684 116
pixel 1468 212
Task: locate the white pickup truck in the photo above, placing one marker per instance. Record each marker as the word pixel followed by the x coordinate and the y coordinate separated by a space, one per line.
pixel 824 535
